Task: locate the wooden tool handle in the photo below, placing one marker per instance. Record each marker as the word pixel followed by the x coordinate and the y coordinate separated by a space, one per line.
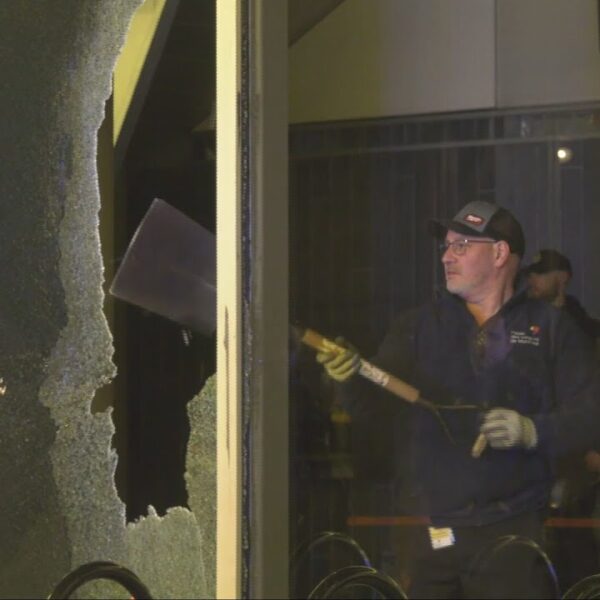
pixel 319 342
pixel 380 377
pixel 389 382
pixel 367 370
pixel 479 446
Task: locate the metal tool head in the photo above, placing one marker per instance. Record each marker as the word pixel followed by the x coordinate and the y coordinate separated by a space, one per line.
pixel 170 269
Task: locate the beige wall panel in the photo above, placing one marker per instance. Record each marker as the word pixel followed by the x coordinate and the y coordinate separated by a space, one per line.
pixel 548 52
pixel 374 58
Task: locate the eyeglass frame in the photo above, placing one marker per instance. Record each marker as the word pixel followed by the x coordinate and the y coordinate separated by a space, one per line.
pixel 446 245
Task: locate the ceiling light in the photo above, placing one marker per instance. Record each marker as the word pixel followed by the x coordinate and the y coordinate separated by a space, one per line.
pixel 564 154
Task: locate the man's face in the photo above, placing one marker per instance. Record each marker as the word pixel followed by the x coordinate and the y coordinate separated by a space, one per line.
pixel 468 274
pixel 544 286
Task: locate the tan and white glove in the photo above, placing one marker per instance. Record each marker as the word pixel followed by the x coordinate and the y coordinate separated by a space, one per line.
pixel 340 365
pixel 505 428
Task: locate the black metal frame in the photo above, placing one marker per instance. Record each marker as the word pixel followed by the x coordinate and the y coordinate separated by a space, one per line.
pixel 335 583
pixel 587 588
pixel 487 554
pixel 101 569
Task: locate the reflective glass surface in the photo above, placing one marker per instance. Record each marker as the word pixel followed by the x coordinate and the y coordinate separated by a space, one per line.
pixel 494 347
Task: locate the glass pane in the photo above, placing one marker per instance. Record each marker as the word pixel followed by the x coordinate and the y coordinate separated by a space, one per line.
pixel 107 407
pixel 495 340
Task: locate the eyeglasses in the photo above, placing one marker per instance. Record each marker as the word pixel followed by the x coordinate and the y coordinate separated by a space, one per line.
pixel 460 247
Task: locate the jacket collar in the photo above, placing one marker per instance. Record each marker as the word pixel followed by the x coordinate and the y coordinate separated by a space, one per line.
pixel 519 297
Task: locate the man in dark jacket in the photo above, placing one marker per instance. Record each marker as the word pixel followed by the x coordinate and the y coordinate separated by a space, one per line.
pixel 548 277
pixel 499 365
pixel 575 493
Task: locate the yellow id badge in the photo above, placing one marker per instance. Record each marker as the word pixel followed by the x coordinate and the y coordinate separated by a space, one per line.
pixel 441 537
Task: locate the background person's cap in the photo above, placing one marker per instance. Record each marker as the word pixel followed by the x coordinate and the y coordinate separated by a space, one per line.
pixel 483 219
pixel 547 260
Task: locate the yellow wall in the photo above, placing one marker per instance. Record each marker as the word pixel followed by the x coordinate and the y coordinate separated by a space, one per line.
pixel 548 52
pixel 372 58
pixel 377 58
pixel 131 60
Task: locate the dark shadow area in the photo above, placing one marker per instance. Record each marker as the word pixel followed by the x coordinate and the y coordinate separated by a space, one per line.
pixel 161 367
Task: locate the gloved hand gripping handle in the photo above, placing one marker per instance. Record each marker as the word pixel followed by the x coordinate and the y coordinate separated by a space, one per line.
pixel 380 377
pixel 367 370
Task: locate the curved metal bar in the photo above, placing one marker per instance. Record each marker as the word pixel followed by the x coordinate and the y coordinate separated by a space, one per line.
pixel 485 556
pixel 304 550
pixel 335 583
pixel 324 537
pixel 334 578
pixel 587 588
pixel 100 570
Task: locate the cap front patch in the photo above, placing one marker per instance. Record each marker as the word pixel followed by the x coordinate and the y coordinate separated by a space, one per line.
pixel 474 219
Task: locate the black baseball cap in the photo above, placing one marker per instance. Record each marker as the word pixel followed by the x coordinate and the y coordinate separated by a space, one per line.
pixel 547 260
pixel 483 219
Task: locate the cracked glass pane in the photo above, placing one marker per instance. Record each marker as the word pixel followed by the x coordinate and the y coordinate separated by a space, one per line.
pixel 60 506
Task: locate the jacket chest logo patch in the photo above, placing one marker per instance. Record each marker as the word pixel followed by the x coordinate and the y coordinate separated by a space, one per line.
pixel 524 337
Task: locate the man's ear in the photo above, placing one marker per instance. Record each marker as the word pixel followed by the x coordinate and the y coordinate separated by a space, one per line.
pixel 563 277
pixel 502 252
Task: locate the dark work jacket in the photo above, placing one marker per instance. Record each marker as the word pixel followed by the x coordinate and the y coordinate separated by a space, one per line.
pixel 589 325
pixel 529 357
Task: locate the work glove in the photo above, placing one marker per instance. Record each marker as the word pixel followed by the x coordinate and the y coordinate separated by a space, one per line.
pixel 505 428
pixel 340 366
